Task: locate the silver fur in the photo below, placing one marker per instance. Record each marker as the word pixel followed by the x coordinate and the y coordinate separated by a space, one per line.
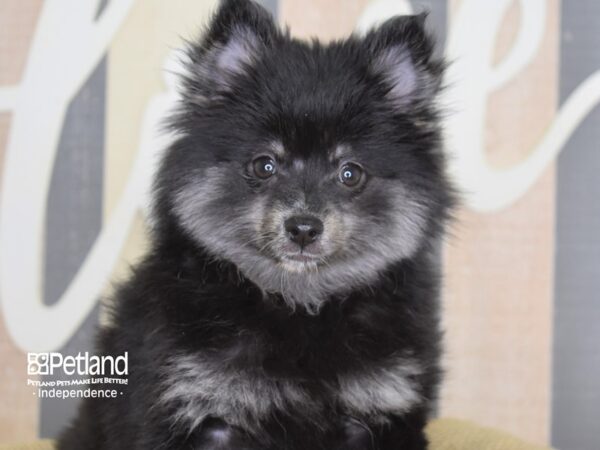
pixel 253 239
pixel 381 390
pixel 201 387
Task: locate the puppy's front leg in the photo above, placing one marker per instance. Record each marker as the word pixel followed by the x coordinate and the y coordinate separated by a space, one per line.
pixel 215 434
pixel 355 435
pixel 399 433
pixel 405 432
pixel 212 434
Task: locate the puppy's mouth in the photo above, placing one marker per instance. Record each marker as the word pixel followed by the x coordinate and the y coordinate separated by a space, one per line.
pixel 302 258
pixel 300 261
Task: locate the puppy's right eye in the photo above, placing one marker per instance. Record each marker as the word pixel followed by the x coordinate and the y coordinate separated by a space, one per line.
pixel 264 167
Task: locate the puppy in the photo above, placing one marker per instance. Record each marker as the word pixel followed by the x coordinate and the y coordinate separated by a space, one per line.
pixel 290 296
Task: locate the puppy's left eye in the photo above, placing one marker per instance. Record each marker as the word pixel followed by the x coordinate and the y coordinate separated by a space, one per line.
pixel 264 167
pixel 351 174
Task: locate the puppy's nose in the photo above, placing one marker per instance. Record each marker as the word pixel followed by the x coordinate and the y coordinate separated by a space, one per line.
pixel 303 230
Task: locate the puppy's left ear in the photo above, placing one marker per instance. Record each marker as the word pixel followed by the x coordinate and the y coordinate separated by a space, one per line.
pixel 401 52
pixel 237 35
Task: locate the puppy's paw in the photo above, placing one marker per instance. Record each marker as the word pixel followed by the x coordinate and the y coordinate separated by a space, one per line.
pixel 355 435
pixel 215 434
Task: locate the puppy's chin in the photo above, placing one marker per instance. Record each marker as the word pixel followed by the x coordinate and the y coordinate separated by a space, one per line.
pixel 299 263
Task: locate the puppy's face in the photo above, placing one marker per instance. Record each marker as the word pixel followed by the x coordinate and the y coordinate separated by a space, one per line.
pixel 310 167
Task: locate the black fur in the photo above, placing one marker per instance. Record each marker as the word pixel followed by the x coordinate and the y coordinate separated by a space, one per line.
pixel 189 302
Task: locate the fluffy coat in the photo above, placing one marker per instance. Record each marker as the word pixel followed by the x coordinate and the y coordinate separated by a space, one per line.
pixel 240 335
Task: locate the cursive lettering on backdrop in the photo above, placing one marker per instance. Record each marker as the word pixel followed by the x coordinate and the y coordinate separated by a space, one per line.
pixel 67 46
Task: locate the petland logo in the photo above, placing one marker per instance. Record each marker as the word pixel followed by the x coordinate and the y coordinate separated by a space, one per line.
pixel 82 364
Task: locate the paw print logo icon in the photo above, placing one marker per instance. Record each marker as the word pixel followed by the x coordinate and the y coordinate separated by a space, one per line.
pixel 38 363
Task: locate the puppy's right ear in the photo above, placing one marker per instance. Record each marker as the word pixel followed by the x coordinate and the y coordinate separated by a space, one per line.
pixel 239 32
pixel 402 55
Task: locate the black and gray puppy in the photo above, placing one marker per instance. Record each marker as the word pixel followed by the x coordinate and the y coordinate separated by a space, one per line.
pixel 290 297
